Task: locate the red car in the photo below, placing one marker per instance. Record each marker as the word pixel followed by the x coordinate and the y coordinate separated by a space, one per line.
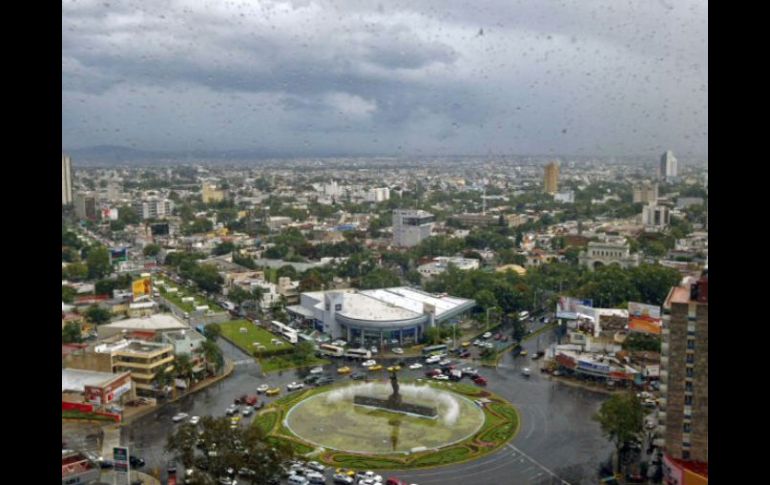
pixel 480 381
pixel 432 372
pixel 394 481
pixel 250 400
pixel 241 399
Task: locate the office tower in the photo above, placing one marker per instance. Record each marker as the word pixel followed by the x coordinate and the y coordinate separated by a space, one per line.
pixel 66 180
pixel 153 207
pixel 667 170
pixel 646 193
pixel 411 226
pixel 85 205
pixel 551 182
pixel 683 419
pixel 655 216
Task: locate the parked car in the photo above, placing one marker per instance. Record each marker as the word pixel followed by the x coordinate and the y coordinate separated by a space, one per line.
pixel 241 399
pixel 314 465
pixel 315 478
pixel 398 350
pixel 317 370
pixel 294 386
pixel 395 481
pixel 487 335
pixel 441 377
pixel 232 409
pixel 195 420
pixel 369 363
pixel 340 479
pixel 480 381
pixel 373 349
pixel 273 391
pixel 432 372
pixel 135 461
pixel 358 376
pixel 345 471
pixel 526 372
pixel 375 367
pixel 433 359
pixel 524 353
pixel 297 480
pixel 416 365
pixel 368 475
pixel 180 417
pixel 444 362
pixel 324 380
pixel 247 411
pixel 344 370
pixel 466 344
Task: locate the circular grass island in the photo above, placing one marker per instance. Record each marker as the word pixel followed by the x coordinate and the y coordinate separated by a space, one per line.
pixel 325 423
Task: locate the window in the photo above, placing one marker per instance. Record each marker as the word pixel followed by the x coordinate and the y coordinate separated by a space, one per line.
pixel 689 372
pixel 688 386
pixel 688 400
pixel 691 344
pixel 690 359
pixel 685 455
pixel 686 428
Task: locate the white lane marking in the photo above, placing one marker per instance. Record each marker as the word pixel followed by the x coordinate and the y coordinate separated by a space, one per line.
pixel 467 475
pixel 489 460
pixel 542 467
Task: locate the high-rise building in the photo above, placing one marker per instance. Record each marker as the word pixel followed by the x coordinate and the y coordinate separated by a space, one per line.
pixel 655 216
pixel 551 181
pixel 66 180
pixel 210 193
pixel 667 170
pixel 153 208
pixel 411 226
pixel 683 419
pixel 379 194
pixel 85 205
pixel 646 193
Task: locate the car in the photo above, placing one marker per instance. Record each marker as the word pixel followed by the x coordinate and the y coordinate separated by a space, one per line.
pixel 317 370
pixel 375 367
pixel 394 481
pixel 324 380
pixel 235 420
pixel 432 372
pixel 466 344
pixel 524 353
pixel 310 380
pixel 345 471
pixel 557 373
pixel 358 376
pixel 526 372
pixel 441 377
pixel 232 409
pixel 398 350
pixel 241 399
pixel 373 349
pixel 135 461
pixel 480 381
pixel 416 365
pixel 368 475
pixel 369 363
pixel 179 417
pixel 469 371
pixel 340 479
pixel 315 478
pixel 274 391
pixel 294 386
pixel 465 354
pixel 247 411
pixel 433 359
pixel 487 335
pixel 444 362
pixel 195 420
pixel 344 370
pixel 314 465
pixel 297 480
pixel 339 343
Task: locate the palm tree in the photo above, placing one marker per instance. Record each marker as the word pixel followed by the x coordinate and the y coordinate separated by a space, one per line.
pixel 213 355
pixel 184 368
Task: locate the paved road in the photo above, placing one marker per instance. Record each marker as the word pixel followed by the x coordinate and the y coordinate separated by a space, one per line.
pixel 557 442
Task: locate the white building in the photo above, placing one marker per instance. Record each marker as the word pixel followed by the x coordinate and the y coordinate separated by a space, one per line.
pixel 411 226
pixel 655 216
pixel 441 264
pixel 567 197
pixel 646 193
pixel 609 251
pixel 380 194
pixel 153 207
pixel 66 180
pixel 667 170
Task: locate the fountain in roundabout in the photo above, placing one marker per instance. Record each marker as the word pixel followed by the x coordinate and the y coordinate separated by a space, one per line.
pixel 380 418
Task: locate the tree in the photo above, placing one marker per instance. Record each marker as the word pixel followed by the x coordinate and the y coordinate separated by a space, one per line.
pixel 226 247
pixel 151 250
pixel 212 331
pixel 485 299
pixel 303 352
pixel 264 456
pixel 379 278
pixel 98 262
pixel 183 367
pixel 75 272
pixel 213 354
pixel 621 418
pixel 287 270
pixel 68 294
pixel 97 315
pixel 413 276
pixel 71 333
pixel 312 281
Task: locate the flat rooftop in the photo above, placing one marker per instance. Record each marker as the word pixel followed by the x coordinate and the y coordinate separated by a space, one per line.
pixel 75 380
pixel 160 321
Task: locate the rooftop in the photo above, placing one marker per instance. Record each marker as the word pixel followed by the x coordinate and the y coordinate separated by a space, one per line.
pixel 160 321
pixel 75 380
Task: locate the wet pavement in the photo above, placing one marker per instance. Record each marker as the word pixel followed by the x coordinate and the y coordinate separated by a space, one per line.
pixel 558 442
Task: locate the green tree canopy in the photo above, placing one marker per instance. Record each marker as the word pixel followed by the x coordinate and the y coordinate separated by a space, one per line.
pixel 71 333
pixel 212 331
pixel 98 262
pixel 151 250
pixel 621 418
pixel 97 315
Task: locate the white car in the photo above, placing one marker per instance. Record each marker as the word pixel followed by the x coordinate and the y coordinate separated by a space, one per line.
pixel 416 365
pixel 263 388
pixel 398 350
pixel 445 362
pixel 369 475
pixel 195 420
pixel 294 386
pixel 373 349
pixel 487 335
pixel 441 377
pixel 477 342
pixel 180 417
pixel 316 466
pixel 316 370
pixel 339 343
pixel 369 363
pixel 469 371
pixel 525 372
pixel 434 359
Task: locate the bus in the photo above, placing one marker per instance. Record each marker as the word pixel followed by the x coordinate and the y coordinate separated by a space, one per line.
pixel 331 350
pixel 434 350
pixel 358 353
pixel 291 334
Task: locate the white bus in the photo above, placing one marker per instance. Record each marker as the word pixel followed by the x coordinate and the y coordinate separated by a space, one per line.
pixel 358 354
pixel 331 350
pixel 292 335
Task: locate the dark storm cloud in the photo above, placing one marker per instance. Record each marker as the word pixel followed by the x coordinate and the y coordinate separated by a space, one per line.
pixel 538 77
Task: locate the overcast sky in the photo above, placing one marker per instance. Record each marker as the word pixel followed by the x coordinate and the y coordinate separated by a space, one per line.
pixel 430 77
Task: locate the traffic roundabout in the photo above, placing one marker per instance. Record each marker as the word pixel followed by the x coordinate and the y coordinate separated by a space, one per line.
pixel 328 425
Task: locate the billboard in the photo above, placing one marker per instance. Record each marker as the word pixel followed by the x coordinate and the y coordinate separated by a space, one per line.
pixel 567 307
pixel 141 287
pixel 644 318
pixel 118 254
